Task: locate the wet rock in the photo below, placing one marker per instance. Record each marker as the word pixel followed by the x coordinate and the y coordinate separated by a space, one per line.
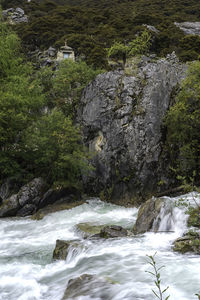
pixel 27 210
pixel 10 207
pixel 54 207
pixel 89 229
pixel 121 115
pixel 25 202
pixel 64 195
pixel 190 242
pixel 34 196
pixel 147 214
pixel 87 285
pixel 62 248
pixel 189 27
pixel 114 231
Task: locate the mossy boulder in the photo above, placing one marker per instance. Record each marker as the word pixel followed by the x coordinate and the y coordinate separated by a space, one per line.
pixel 62 248
pixel 114 231
pixel 194 217
pixel 147 214
pixel 190 242
pixel 89 229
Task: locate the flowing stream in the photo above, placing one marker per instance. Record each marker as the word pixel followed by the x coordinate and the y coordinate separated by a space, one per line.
pixel 27 271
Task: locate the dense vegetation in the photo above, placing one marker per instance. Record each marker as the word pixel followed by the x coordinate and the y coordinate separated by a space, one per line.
pixel 183 127
pixel 91 26
pixel 37 135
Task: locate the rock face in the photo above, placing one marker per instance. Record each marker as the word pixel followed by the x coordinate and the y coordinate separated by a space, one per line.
pixel 62 248
pixel 189 27
pixel 121 114
pixel 190 242
pixel 87 285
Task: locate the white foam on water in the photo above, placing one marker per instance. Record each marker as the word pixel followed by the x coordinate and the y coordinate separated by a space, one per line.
pixel 27 271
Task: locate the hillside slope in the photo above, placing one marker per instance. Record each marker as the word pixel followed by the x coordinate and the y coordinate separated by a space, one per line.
pixel 91 26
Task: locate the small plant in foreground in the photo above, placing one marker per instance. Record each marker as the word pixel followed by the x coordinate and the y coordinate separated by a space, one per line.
pixel 198 295
pixel 155 273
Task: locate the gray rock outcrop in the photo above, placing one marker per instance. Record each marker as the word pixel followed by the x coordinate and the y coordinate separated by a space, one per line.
pixel 32 197
pixel 26 201
pixel 44 58
pixel 192 28
pixel 121 114
pixel 15 16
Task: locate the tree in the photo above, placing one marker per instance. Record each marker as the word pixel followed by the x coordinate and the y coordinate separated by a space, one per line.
pixel 140 45
pixel 20 100
pixel 36 137
pixel 56 151
pixel 118 51
pixel 68 83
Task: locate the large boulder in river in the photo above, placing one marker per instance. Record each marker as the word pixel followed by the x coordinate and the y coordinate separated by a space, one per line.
pixel 148 214
pixel 62 248
pixel 190 242
pixel 89 286
pixel 121 115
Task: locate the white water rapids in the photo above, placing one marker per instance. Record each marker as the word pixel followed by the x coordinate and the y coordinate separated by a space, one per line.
pixel 27 271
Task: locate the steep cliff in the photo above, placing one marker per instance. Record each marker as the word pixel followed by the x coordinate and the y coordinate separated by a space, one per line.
pixel 121 114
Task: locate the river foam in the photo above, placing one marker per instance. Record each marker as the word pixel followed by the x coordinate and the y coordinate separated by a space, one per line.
pixel 27 271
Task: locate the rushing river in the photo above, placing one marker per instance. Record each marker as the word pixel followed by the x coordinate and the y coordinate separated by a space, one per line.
pixel 27 271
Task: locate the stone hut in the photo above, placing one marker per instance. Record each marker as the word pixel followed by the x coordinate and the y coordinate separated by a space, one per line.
pixel 65 52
